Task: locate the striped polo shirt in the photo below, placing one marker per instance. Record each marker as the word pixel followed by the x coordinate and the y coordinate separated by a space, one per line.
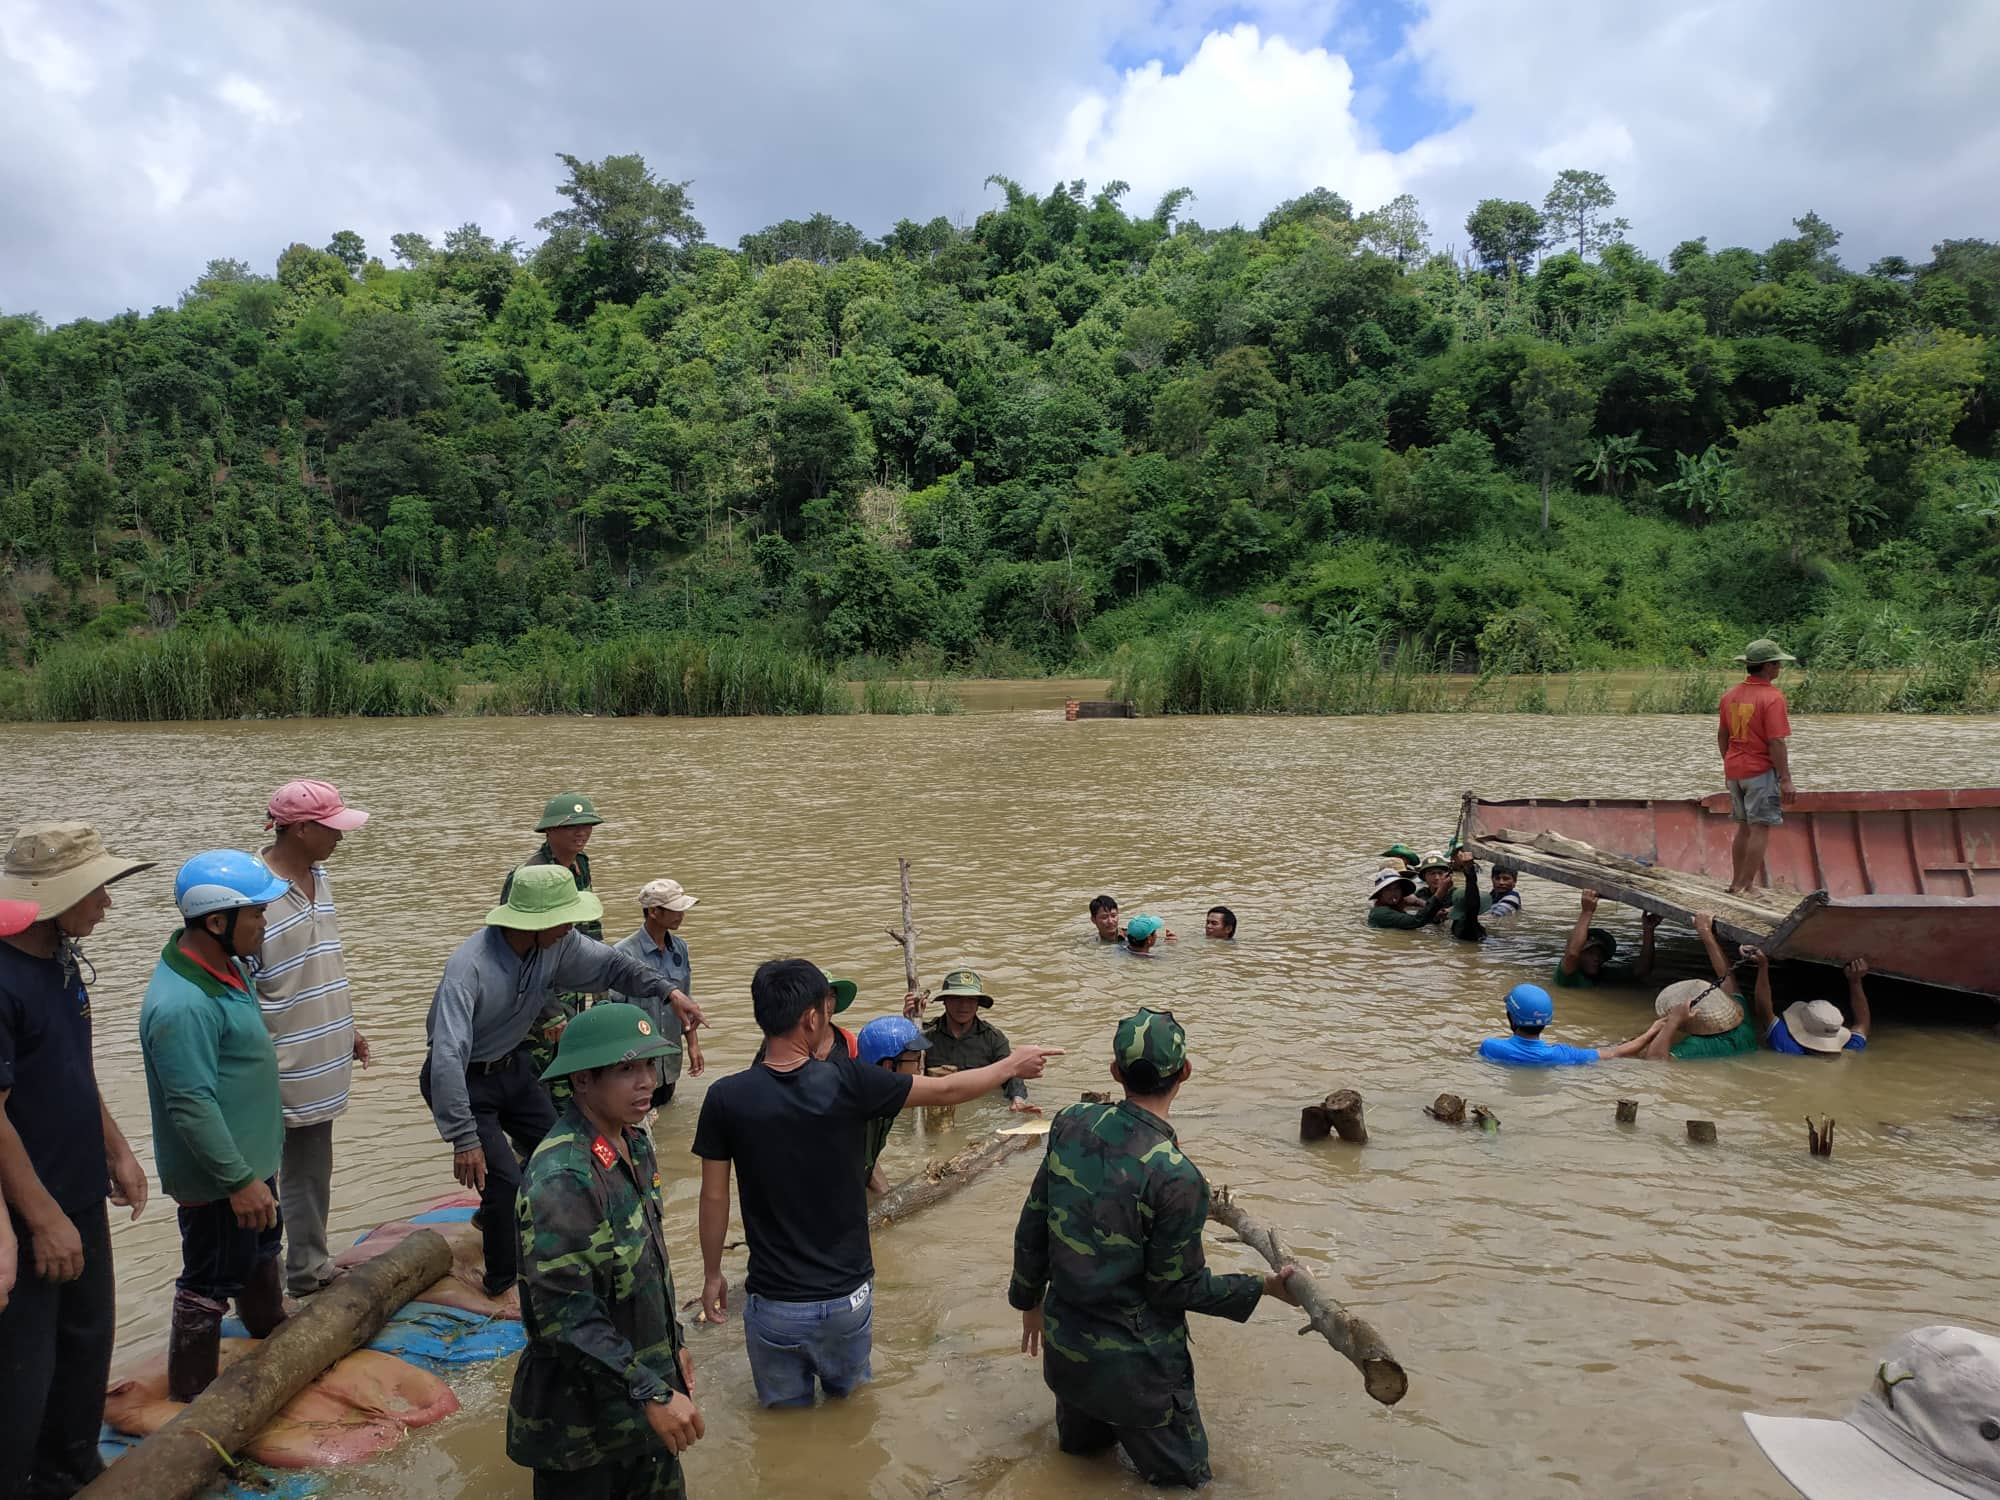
pixel 302 989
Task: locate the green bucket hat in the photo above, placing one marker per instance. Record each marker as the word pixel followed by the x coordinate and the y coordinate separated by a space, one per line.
pixel 568 810
pixel 541 897
pixel 1761 653
pixel 844 991
pixel 1151 1036
pixel 1403 852
pixel 606 1035
pixel 966 985
pixel 1598 937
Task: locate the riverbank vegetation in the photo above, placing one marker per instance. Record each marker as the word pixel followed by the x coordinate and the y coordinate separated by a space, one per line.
pixel 1226 464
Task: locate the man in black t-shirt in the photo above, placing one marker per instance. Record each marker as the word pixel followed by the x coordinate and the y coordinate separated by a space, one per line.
pixel 795 1126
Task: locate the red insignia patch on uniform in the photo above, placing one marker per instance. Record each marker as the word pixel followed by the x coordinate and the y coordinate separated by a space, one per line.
pixel 602 1150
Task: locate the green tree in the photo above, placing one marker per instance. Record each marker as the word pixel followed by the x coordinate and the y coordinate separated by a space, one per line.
pixel 1574 211
pixel 1802 476
pixel 1912 392
pixel 622 234
pixel 1397 230
pixel 1555 408
pixel 1505 235
pixel 349 249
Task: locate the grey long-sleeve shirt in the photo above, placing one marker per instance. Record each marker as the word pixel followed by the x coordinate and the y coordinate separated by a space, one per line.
pixel 490 996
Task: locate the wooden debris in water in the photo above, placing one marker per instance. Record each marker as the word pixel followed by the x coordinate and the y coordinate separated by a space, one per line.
pixel 181 1458
pixel 1088 708
pixel 1339 1111
pixel 940 1179
pixel 1819 1138
pixel 1485 1119
pixel 1092 1096
pixel 1446 1109
pixel 1350 1335
pixel 1701 1132
pixel 1628 1111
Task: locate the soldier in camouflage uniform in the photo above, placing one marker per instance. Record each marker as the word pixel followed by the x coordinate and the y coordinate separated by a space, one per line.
pixel 961 1039
pixel 1108 1263
pixel 565 829
pixel 602 1404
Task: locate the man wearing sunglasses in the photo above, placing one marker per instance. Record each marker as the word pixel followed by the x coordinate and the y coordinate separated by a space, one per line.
pixel 1109 1287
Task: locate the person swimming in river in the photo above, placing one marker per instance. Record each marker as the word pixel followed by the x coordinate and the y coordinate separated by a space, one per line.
pixel 1104 917
pixel 1393 902
pixel 1143 934
pixel 1529 1012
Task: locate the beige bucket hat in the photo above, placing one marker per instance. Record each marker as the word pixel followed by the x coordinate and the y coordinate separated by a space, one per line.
pixel 1816 1025
pixel 1714 1012
pixel 57 864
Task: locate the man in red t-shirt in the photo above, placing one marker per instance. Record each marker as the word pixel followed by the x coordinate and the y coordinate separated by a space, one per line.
pixel 1752 735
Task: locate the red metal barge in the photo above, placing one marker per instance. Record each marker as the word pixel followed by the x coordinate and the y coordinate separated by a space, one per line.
pixel 1909 881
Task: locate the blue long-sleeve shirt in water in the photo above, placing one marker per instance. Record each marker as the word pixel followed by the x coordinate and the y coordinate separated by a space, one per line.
pixel 1533 1052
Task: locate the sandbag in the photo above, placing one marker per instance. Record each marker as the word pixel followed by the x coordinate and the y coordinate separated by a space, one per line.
pixel 357 1409
pixel 465 1287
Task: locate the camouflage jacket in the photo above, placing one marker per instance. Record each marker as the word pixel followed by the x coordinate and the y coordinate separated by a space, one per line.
pixel 983 1044
pixel 1111 1233
pixel 597 1303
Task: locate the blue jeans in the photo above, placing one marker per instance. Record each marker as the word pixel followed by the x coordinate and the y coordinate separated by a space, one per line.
pixel 793 1343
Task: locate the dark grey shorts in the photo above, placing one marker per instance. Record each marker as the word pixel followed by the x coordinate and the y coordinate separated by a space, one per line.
pixel 1757 801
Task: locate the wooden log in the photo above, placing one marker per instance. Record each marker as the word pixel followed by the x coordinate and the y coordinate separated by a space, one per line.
pixel 1092 1096
pixel 1447 1109
pixel 1819 1138
pixel 940 1179
pixel 1350 1335
pixel 1343 1110
pixel 181 1458
pixel 1628 1111
pixel 1087 708
pixel 1702 1132
pixel 1315 1124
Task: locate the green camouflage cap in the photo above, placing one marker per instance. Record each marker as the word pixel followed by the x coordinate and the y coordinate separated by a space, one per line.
pixel 844 991
pixel 1151 1036
pixel 568 810
pixel 967 986
pixel 606 1035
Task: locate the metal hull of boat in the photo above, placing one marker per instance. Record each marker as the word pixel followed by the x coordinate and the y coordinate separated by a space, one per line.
pixel 1909 880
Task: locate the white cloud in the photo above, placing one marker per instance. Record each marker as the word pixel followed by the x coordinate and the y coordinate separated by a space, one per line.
pixel 251 98
pixel 1248 121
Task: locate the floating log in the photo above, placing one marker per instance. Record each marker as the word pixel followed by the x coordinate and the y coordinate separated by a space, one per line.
pixel 1628 1111
pixel 1085 708
pixel 1447 1109
pixel 179 1460
pixel 1091 1096
pixel 1351 1336
pixel 1702 1132
pixel 1819 1138
pixel 940 1179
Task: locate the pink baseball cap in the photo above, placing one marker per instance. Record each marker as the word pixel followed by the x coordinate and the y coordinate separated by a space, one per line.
pixel 17 916
pixel 312 802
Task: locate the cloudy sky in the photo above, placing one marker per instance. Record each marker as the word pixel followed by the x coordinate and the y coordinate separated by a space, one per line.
pixel 140 138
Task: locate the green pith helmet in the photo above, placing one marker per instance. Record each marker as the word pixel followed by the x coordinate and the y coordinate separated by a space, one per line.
pixel 1763 653
pixel 1404 852
pixel 1602 940
pixel 965 985
pixel 1151 1036
pixel 844 991
pixel 568 810
pixel 606 1035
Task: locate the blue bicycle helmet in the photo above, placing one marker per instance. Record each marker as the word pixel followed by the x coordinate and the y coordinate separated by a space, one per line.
pixel 890 1036
pixel 224 880
pixel 1530 1005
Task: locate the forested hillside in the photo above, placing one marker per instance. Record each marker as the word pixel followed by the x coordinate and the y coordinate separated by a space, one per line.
pixel 1013 446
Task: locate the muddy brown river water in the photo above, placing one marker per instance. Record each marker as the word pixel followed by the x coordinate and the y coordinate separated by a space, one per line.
pixel 1584 1310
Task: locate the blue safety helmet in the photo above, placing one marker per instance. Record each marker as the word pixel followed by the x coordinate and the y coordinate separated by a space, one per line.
pixel 1530 1005
pixel 224 880
pixel 890 1036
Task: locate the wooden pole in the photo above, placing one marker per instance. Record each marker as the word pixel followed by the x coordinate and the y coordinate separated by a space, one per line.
pixel 1351 1336
pixel 179 1460
pixel 907 938
pixel 940 1179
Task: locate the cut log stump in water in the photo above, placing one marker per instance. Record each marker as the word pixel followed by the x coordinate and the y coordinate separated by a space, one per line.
pixel 1447 1109
pixel 1819 1138
pixel 180 1459
pixel 1339 1112
pixel 1702 1132
pixel 1351 1336
pixel 1628 1111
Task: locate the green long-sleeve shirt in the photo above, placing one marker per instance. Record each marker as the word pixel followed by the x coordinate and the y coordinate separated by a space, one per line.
pixel 1406 921
pixel 984 1044
pixel 1109 1246
pixel 211 1079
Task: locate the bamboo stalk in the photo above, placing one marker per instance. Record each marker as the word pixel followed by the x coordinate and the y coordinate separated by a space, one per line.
pixel 1350 1335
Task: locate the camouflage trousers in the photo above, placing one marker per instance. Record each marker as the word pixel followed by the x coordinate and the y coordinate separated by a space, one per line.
pixel 546 1033
pixel 1174 1453
pixel 656 1476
